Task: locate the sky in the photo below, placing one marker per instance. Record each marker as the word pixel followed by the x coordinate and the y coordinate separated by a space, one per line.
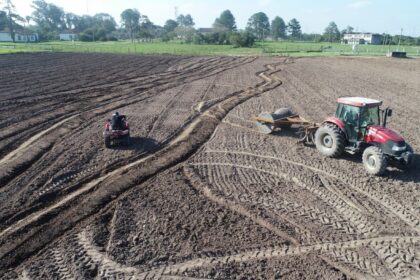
pixel 314 15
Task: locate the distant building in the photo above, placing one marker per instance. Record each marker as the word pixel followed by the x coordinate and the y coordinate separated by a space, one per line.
pixel 68 36
pixel 362 38
pixel 20 36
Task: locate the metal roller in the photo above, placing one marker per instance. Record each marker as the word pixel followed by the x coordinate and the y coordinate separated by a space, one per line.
pixel 266 128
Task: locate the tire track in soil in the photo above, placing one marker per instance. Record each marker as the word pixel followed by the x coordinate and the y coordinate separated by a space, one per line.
pixel 201 71
pixel 353 258
pixel 354 217
pixel 93 257
pixel 39 228
pixel 26 145
pixel 65 185
pixel 218 65
pixel 395 208
pixel 163 113
pixel 286 251
pixel 365 266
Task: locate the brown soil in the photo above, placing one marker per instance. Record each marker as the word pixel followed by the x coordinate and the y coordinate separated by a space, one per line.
pixel 199 194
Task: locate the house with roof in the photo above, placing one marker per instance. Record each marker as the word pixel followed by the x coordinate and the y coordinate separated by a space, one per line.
pixel 20 37
pixel 357 38
pixel 68 36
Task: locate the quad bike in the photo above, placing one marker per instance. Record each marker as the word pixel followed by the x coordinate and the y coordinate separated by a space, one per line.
pixel 359 125
pixel 117 135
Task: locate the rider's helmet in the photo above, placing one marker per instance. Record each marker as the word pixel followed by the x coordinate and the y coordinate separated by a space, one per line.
pixel 116 114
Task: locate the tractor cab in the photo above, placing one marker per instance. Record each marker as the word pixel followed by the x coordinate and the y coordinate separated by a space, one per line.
pixel 357 113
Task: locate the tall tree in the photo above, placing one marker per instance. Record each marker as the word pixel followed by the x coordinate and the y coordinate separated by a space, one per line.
pixel 170 25
pixel 146 30
pixel 185 21
pixel 259 25
pixel 72 21
pixel 278 28
pixel 3 20
pixel 130 19
pixel 48 16
pixel 348 29
pixel 28 19
pixel 11 17
pixel 294 28
pixel 332 33
pixel 105 21
pixel 226 21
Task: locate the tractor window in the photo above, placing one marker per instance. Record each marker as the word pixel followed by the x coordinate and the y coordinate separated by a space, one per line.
pixel 338 112
pixel 370 116
pixel 350 115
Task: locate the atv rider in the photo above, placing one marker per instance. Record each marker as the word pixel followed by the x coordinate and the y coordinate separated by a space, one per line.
pixel 117 122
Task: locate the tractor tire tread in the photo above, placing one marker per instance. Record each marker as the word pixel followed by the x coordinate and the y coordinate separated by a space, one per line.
pixel 338 138
pixel 381 167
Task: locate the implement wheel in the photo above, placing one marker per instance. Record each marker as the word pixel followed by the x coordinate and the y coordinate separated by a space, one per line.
pixel 265 128
pixel 330 141
pixel 374 160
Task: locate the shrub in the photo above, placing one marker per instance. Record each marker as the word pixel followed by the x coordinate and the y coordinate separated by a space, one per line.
pixel 242 39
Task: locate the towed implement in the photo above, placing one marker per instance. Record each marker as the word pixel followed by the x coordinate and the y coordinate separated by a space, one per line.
pixel 359 125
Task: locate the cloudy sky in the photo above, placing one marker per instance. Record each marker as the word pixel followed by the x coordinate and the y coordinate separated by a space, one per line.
pixel 364 15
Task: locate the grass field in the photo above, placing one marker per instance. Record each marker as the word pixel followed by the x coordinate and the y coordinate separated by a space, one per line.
pixel 266 48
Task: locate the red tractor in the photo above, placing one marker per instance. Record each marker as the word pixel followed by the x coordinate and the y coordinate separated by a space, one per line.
pixel 359 125
pixel 116 131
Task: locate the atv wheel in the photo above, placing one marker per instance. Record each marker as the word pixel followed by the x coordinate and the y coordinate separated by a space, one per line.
pixel 283 113
pixel 107 142
pixel 374 160
pixel 330 141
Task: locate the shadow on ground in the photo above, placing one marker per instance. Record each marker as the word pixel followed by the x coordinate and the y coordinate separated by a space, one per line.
pixel 139 144
pixel 408 174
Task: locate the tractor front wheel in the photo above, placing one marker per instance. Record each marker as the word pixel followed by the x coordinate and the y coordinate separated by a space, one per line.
pixel 330 141
pixel 374 160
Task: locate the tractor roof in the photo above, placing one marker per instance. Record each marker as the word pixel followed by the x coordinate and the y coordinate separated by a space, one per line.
pixel 359 101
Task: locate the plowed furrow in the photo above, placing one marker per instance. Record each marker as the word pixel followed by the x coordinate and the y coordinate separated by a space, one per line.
pixel 177 150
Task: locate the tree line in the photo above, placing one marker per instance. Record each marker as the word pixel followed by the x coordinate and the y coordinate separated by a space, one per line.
pixel 48 20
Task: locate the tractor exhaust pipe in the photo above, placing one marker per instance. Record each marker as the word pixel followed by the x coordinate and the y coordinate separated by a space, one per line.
pixel 387 113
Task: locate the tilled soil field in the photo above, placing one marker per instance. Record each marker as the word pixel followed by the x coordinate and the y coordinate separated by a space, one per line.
pixel 199 194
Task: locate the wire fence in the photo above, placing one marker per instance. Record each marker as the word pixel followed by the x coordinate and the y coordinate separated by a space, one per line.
pixel 262 48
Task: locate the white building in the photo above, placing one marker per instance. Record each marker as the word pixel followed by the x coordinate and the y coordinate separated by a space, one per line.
pixel 361 38
pixel 21 37
pixel 68 36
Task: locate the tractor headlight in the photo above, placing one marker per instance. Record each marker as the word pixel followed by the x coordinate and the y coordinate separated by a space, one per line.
pixel 398 148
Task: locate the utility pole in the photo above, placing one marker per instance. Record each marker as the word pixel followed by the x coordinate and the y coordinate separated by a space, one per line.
pixel 176 12
pixel 399 41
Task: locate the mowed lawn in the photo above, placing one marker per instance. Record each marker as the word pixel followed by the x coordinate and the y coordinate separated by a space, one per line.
pixel 260 48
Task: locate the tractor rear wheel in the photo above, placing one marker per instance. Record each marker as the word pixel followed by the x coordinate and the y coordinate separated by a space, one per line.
pixel 330 141
pixel 374 160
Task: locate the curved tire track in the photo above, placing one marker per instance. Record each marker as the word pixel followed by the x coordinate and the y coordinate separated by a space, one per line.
pixel 104 189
